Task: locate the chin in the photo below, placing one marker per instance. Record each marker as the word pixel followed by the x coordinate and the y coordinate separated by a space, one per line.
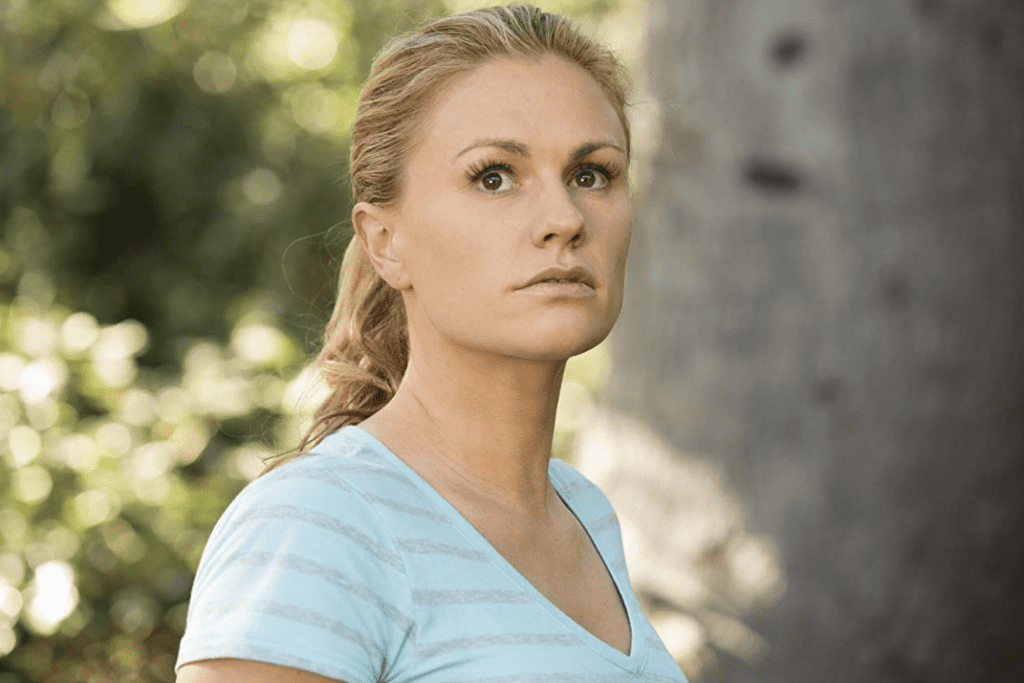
pixel 562 342
pixel 559 335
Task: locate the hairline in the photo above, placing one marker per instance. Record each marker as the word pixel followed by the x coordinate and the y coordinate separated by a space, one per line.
pixel 455 76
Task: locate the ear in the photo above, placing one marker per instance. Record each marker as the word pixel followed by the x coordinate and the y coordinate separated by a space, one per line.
pixel 375 228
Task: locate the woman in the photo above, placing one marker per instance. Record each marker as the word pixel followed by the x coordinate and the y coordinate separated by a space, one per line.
pixel 428 536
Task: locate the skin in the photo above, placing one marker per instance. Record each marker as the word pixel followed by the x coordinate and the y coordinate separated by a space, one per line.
pixel 475 412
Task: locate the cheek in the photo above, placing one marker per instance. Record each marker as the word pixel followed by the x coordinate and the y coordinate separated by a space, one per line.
pixel 432 250
pixel 620 235
pixel 618 251
pixel 450 263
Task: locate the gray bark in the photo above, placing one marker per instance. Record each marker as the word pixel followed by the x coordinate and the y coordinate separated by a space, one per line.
pixel 821 353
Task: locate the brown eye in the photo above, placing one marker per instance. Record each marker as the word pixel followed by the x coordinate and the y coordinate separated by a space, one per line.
pixel 492 181
pixel 590 180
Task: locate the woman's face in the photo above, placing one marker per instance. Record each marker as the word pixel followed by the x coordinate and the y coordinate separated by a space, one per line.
pixel 515 215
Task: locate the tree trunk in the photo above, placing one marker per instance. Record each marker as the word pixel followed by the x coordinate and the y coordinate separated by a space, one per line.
pixel 814 426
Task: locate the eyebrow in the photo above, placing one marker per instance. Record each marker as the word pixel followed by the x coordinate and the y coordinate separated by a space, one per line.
pixel 510 146
pixel 523 150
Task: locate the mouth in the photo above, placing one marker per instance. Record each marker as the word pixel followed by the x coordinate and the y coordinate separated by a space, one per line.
pixel 577 275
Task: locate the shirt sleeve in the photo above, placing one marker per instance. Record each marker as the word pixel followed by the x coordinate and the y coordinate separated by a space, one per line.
pixel 301 571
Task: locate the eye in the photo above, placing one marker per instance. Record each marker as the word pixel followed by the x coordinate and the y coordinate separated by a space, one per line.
pixel 589 180
pixel 492 177
pixel 592 177
pixel 493 181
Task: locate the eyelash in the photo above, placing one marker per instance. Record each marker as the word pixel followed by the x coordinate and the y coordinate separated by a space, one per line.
pixel 479 170
pixel 610 171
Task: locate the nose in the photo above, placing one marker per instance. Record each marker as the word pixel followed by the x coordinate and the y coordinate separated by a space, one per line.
pixel 561 222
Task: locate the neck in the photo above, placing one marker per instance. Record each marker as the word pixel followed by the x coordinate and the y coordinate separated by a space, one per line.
pixel 477 427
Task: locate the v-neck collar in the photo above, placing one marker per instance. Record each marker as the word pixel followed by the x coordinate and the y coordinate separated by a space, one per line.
pixel 637 657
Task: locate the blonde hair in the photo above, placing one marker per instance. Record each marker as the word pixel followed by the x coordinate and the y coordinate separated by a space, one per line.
pixel 366 345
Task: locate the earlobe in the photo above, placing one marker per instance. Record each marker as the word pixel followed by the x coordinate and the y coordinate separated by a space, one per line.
pixel 375 228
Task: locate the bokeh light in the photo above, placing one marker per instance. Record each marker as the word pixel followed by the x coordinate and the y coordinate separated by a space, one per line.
pixel 41 378
pixel 8 639
pixel 93 507
pixel 215 72
pixel 13 526
pixel 262 186
pixel 53 596
pixel 312 43
pixel 138 14
pixel 137 407
pixel 134 612
pixel 35 336
pixel 10 602
pixel 115 437
pixel 78 333
pixel 315 108
pixel 12 568
pixel 114 350
pixel 23 445
pixel 261 344
pixel 31 484
pixel 11 366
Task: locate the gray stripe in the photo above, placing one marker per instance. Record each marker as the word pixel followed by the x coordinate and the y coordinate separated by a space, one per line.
pixel 370 468
pixel 526 639
pixel 291 613
pixel 357 467
pixel 418 545
pixel 409 509
pixel 330 476
pixel 336 442
pixel 332 524
pixel 311 472
pixel 300 564
pixel 470 597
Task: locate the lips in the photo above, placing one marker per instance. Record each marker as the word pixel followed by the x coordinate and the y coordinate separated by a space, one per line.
pixel 576 274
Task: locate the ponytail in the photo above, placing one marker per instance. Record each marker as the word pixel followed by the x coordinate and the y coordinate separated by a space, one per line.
pixel 366 347
pixel 365 350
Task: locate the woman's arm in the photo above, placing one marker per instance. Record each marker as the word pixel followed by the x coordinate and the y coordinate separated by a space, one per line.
pixel 245 671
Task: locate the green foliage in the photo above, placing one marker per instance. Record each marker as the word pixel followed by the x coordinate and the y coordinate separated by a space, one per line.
pixel 167 172
pixel 171 177
pixel 113 476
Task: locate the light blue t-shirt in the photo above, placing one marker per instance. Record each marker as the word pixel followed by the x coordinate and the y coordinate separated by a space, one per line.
pixel 347 563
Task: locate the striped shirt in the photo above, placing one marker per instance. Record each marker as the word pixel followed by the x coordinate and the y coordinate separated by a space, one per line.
pixel 349 564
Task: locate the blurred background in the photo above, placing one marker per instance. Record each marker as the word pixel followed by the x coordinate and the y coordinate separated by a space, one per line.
pixel 810 417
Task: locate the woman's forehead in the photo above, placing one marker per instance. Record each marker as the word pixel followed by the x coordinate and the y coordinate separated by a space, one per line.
pixel 526 101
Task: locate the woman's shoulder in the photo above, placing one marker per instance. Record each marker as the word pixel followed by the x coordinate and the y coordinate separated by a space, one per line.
pixel 303 567
pixel 339 495
pixel 341 470
pixel 320 513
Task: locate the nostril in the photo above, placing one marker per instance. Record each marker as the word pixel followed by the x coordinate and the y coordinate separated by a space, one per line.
pixel 575 237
